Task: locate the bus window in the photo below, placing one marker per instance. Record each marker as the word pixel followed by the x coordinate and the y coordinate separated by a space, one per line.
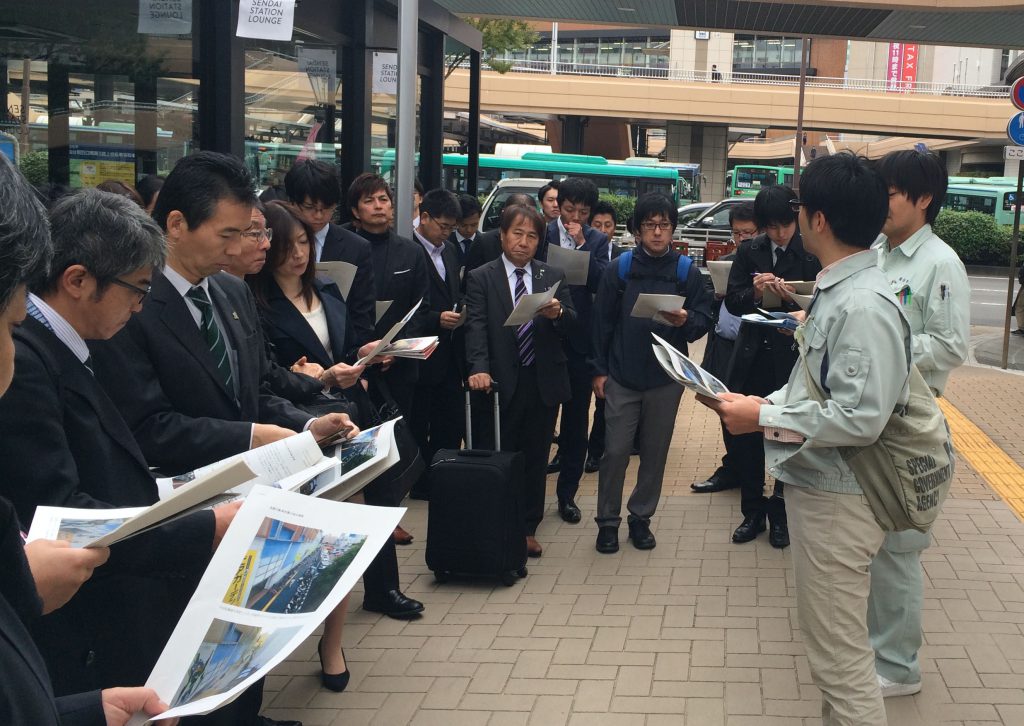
pixel 964 202
pixel 755 179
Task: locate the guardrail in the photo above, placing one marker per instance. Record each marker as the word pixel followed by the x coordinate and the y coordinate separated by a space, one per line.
pixel 692 76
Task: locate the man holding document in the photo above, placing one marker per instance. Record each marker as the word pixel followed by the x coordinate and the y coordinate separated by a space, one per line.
pixel 81 453
pixel 525 360
pixel 581 252
pixel 636 390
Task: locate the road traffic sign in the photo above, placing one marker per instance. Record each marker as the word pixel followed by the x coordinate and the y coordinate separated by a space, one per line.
pixel 1015 129
pixel 1017 93
pixel 1013 153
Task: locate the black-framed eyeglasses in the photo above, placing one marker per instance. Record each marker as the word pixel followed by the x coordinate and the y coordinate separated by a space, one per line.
pixel 257 234
pixel 795 204
pixel 140 291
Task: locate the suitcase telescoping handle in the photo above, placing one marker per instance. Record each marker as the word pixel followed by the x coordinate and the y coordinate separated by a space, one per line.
pixel 497 417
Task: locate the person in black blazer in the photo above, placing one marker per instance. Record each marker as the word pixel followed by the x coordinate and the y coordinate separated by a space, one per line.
pixel 400 276
pixel 528 362
pixel 315 188
pixel 762 358
pixel 487 246
pixel 27 695
pixel 465 234
pixel 191 387
pixel 576 197
pixel 437 414
pixel 80 453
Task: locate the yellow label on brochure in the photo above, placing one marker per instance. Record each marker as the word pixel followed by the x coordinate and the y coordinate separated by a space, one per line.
pixel 239 583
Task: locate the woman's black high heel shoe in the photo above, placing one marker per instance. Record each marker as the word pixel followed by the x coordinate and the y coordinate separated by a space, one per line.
pixel 336 682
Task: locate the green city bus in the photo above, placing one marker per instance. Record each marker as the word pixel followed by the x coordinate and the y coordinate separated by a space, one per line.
pixel 748 179
pixel 610 177
pixel 689 175
pixel 982 196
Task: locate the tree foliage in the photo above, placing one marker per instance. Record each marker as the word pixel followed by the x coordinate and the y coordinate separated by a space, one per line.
pixel 500 35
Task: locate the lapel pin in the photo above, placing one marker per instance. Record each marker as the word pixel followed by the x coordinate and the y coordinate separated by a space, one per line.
pixel 234 315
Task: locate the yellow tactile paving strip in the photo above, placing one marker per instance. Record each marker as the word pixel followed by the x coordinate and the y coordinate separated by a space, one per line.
pixel 1001 472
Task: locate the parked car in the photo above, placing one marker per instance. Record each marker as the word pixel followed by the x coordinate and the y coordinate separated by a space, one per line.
pixel 490 218
pixel 711 225
pixel 690 211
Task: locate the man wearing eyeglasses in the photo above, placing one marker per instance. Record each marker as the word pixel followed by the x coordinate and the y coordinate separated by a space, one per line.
pixel 315 190
pixel 79 452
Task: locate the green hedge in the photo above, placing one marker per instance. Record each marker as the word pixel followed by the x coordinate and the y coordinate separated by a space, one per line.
pixel 975 236
pixel 35 167
pixel 623 206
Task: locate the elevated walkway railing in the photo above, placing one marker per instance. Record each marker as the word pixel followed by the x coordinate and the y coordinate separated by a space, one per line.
pixel 693 76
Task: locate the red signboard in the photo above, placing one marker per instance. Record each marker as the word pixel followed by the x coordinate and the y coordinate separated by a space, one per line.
pixel 901 67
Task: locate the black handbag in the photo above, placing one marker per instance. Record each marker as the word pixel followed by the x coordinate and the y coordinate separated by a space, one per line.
pixel 391 487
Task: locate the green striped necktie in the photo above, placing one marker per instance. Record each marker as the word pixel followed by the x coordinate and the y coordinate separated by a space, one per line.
pixel 211 332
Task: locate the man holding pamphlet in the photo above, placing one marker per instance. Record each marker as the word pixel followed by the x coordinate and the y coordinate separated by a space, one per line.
pixel 842 393
pixel 81 453
pixel 637 392
pixel 762 358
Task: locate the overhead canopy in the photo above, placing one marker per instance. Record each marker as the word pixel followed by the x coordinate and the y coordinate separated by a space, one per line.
pixel 985 23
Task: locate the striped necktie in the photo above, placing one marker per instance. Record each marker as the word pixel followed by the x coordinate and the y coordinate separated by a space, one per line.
pixel 524 333
pixel 211 332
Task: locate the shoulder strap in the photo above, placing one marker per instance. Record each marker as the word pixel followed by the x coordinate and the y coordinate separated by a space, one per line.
pixel 625 262
pixel 683 271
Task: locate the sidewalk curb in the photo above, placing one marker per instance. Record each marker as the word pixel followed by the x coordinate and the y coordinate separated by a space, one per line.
pixel 973 361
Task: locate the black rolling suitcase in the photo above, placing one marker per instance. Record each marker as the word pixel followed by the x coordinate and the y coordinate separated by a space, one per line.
pixel 475 519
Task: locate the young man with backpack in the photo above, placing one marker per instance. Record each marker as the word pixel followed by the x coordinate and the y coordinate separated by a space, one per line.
pixel 637 392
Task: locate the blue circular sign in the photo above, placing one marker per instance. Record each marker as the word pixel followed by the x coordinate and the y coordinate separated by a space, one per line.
pixel 1015 129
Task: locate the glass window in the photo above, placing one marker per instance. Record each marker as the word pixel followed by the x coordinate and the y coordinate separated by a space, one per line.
pixel 586 50
pixel 743 51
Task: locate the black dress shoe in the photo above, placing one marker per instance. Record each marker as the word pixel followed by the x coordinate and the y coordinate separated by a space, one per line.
pixel 641 535
pixel 592 464
pixel 395 605
pixel 607 539
pixel 336 682
pixel 555 465
pixel 569 512
pixel 714 483
pixel 749 529
pixel 267 721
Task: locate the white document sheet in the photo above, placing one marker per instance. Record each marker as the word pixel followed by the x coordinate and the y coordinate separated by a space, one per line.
pixel 284 564
pixel 720 270
pixel 104 527
pixel 685 371
pixel 356 463
pixel 528 306
pixel 771 300
pixel 574 263
pixel 340 273
pixel 651 306
pixel 381 308
pixel 391 335
pixel 804 301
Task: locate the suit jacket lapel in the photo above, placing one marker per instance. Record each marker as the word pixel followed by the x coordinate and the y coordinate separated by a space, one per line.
pixel 179 321
pixel 450 257
pixel 336 314
pixel 286 317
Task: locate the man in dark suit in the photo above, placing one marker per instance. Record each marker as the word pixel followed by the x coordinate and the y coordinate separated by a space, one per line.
pixel 400 277
pixel 487 246
pixel 571 231
pixel 80 452
pixel 43 575
pixel 762 357
pixel 526 361
pixel 315 188
pixel 188 371
pixel 437 413
pixel 466 232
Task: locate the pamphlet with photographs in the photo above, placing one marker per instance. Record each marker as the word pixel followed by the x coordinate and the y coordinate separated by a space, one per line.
pixel 284 564
pixel 684 371
pixel 785 321
pixel 104 527
pixel 416 348
pixel 378 350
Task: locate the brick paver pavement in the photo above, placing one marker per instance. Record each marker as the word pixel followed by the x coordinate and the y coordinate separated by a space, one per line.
pixel 697 632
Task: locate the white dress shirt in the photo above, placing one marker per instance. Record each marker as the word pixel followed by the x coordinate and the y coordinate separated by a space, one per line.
pixel 320 238
pixel 564 238
pixel 433 251
pixel 65 333
pixel 513 278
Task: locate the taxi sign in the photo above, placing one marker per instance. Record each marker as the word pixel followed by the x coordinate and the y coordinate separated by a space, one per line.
pixel 1017 93
pixel 1015 129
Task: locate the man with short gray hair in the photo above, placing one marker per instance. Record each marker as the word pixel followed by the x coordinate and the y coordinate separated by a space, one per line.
pixel 79 452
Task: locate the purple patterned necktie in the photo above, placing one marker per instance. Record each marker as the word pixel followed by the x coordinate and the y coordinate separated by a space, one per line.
pixel 524 333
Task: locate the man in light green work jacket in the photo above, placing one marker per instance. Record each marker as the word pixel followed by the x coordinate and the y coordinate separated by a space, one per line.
pixel 856 343
pixel 931 285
